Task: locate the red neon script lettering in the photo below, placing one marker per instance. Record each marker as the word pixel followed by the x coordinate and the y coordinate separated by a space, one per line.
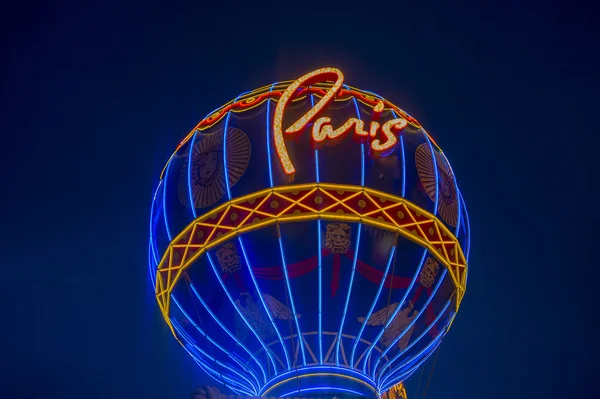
pixel 322 130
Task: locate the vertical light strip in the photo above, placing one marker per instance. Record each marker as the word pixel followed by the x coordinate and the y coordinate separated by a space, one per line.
pixel 389 321
pixel 289 288
pixel 319 254
pixel 151 266
pixel 435 169
pixel 403 160
pixel 356 249
pixel 225 131
pixel 212 341
pixel 268 142
pixel 362 146
pixel 164 204
pixel 458 205
pixel 352 273
pixel 269 136
pixel 467 230
pixel 364 324
pixel 153 247
pixel 403 351
pixel 467 237
pixel 189 175
pixel 412 323
pixel 317 174
pixel 232 336
pixel 240 314
pixel 262 300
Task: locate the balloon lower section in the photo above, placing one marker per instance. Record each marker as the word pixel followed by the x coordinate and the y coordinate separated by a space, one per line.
pixel 320 382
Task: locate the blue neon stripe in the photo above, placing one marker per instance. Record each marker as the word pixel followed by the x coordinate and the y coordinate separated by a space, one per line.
pixel 151 266
pixel 362 328
pixel 269 137
pixel 217 375
pixel 287 282
pixel 362 183
pixel 412 323
pixel 352 273
pixel 320 389
pixel 262 300
pixel 429 327
pixel 228 382
pixel 403 159
pixel 189 341
pixel 268 352
pixel 362 146
pixel 189 176
pixel 319 255
pixel 232 336
pixel 152 223
pixel 317 172
pixel 436 341
pixel 468 229
pixel 311 369
pixel 225 131
pixel 412 364
pixel 437 181
pixel 372 346
pixel 164 204
pixel 212 341
pixel 270 162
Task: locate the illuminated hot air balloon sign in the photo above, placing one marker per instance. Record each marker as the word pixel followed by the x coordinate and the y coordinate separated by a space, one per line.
pixel 309 238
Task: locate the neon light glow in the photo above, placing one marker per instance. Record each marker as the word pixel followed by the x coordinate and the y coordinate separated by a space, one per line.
pixel 323 389
pixel 189 176
pixel 320 256
pixel 322 130
pixel 164 204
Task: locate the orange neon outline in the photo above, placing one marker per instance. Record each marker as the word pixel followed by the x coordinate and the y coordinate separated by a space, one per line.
pixel 322 130
pixel 280 147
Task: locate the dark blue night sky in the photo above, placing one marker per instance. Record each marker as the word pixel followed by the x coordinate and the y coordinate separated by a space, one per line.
pixel 95 97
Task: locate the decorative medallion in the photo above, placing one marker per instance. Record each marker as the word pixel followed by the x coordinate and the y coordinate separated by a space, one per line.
pixel 337 237
pixel 206 176
pixel 228 258
pixel 429 272
pixel 447 196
